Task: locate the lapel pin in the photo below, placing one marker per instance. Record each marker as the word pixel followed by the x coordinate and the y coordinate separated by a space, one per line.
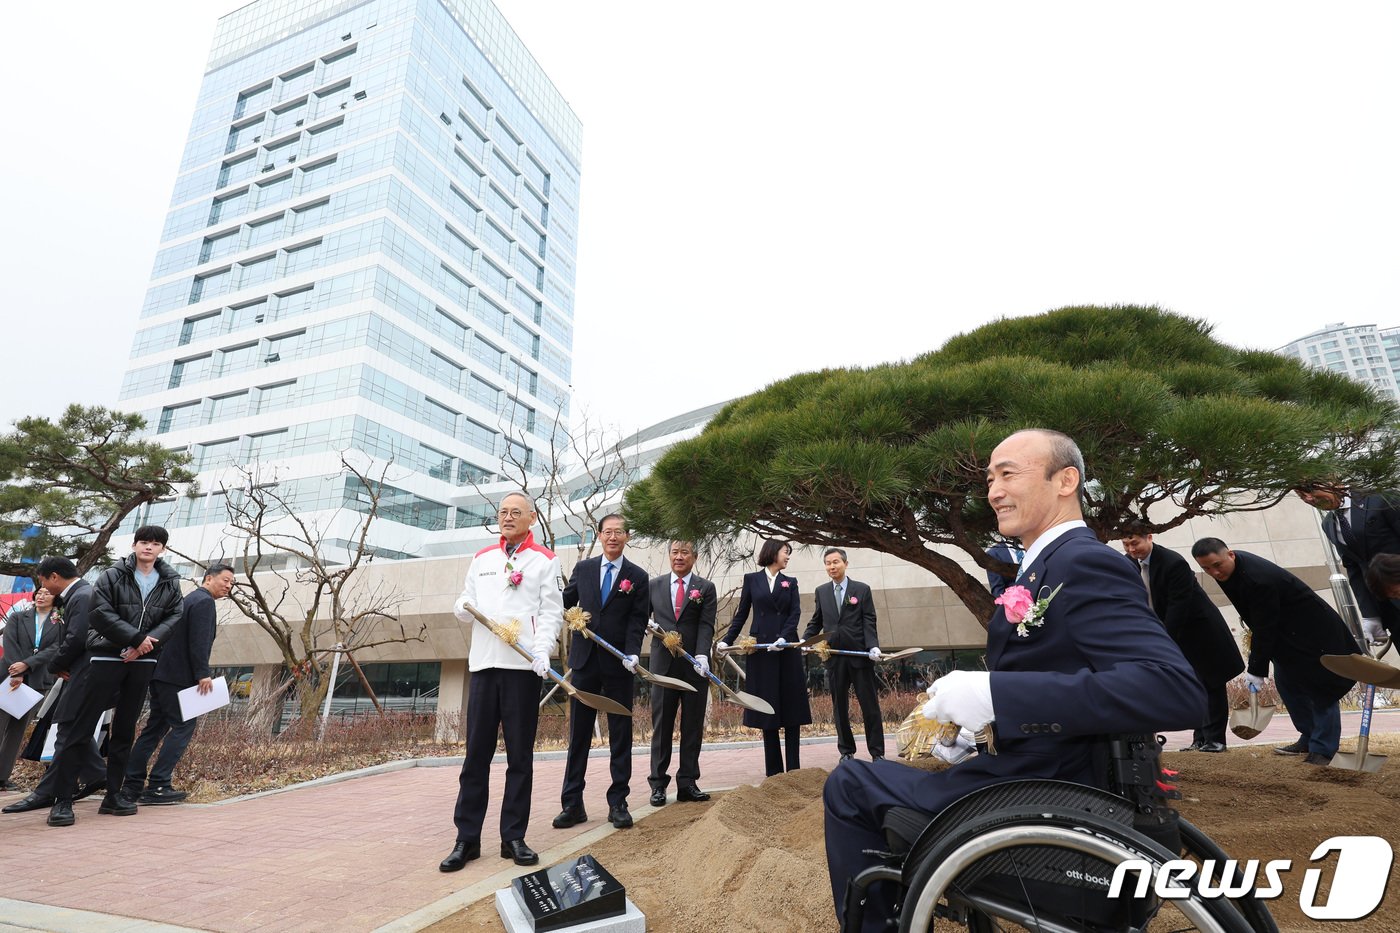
pixel 1032 578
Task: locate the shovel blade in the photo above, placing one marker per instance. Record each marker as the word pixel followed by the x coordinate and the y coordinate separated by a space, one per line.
pixel 1358 761
pixel 1249 722
pixel 749 701
pixel 600 703
pixel 670 683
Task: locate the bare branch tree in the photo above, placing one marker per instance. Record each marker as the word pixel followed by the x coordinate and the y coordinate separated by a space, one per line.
pixel 296 590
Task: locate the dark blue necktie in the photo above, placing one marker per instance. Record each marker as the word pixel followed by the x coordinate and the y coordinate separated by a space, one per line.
pixel 607 583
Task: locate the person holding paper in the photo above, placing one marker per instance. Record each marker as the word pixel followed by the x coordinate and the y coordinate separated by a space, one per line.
pixel 33 631
pixel 184 663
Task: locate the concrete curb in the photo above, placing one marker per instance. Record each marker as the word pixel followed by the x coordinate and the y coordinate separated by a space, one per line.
pixel 23 915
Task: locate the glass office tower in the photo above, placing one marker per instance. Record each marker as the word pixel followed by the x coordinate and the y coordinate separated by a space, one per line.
pixel 370 248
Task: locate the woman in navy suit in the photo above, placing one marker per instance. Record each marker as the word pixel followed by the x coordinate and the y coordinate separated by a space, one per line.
pixel 774 675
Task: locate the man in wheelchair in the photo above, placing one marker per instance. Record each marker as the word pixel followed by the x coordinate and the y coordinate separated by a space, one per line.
pixel 1074 655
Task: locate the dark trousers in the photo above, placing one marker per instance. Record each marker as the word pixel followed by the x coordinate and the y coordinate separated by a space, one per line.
pixel 842 675
pixel 773 750
pixel 92 767
pixel 163 722
pixel 105 679
pixel 506 702
pixel 663 720
pixel 615 685
pixel 1217 717
pixel 1318 721
pixel 12 735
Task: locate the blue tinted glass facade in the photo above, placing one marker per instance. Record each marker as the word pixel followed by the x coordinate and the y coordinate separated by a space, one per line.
pixel 370 246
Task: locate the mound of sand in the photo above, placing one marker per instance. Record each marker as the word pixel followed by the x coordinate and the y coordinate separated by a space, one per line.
pixel 753 860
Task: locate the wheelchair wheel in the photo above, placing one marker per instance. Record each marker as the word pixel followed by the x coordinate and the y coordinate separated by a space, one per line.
pixel 1200 847
pixel 1047 870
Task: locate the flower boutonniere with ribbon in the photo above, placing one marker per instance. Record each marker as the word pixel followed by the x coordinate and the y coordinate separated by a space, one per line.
pixel 625 587
pixel 694 596
pixel 513 577
pixel 1024 611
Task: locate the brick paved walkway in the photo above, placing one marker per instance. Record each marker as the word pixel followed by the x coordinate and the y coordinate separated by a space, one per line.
pixel 348 855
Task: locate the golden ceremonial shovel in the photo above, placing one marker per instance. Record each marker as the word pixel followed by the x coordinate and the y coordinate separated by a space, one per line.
pixel 1373 674
pixel 601 703
pixel 738 697
pixel 579 623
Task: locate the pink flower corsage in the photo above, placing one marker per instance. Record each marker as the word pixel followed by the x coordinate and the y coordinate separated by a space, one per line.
pixel 1024 611
pixel 515 578
pixel 784 584
pixel 625 586
pixel 694 596
pixel 853 600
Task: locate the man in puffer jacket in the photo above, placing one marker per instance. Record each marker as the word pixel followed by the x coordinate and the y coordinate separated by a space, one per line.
pixel 136 604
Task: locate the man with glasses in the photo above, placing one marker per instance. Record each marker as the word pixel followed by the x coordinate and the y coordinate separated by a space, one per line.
pixel 514 583
pixel 613 591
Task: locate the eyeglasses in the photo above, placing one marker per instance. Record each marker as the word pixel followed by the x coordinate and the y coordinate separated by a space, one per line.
pixel 509 513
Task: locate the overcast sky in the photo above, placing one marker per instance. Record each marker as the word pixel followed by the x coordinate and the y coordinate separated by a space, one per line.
pixel 771 187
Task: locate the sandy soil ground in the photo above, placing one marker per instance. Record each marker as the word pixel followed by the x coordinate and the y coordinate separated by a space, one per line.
pixel 753 859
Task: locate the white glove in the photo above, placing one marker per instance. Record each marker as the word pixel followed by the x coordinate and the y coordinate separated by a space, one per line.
pixel 702 665
pixel 722 647
pixel 630 663
pixel 1255 682
pixel 1375 632
pixel 875 653
pixel 963 697
pixel 541 666
pixel 964 746
pixel 778 645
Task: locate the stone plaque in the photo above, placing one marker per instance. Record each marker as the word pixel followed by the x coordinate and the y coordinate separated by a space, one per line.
pixel 570 893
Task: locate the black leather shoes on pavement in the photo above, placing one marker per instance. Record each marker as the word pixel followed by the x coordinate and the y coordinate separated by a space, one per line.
pixel 32 802
pixel 658 798
pixel 517 849
pixel 1212 747
pixel 62 814
pixel 161 796
pixel 619 817
pixel 87 790
pixel 691 795
pixel 117 805
pixel 462 853
pixel 847 756
pixel 570 816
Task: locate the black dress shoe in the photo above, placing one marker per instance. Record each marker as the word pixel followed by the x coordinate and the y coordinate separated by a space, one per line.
pixel 691 795
pixel 570 816
pixel 518 850
pixel 1315 759
pixel 61 814
pixel 619 817
pixel 462 853
pixel 877 757
pixel 1193 747
pixel 32 802
pixel 87 790
pixel 117 805
pixel 847 756
pixel 1212 746
pixel 658 799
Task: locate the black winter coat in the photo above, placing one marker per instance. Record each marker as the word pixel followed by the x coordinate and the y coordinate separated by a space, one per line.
pixel 121 619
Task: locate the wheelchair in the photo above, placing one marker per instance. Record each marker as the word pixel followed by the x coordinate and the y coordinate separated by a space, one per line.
pixel 1039 855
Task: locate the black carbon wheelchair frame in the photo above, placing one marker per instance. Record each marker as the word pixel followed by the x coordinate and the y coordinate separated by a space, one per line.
pixel 1039 855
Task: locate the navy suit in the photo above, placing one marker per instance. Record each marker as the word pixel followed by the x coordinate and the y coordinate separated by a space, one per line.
pixel 776 676
pixel 696 624
pixel 622 623
pixel 1100 663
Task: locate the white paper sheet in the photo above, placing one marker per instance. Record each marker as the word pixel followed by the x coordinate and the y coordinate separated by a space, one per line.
pixel 20 701
pixel 193 703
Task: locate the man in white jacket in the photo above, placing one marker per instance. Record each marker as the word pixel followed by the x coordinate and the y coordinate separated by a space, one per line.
pixel 514 583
